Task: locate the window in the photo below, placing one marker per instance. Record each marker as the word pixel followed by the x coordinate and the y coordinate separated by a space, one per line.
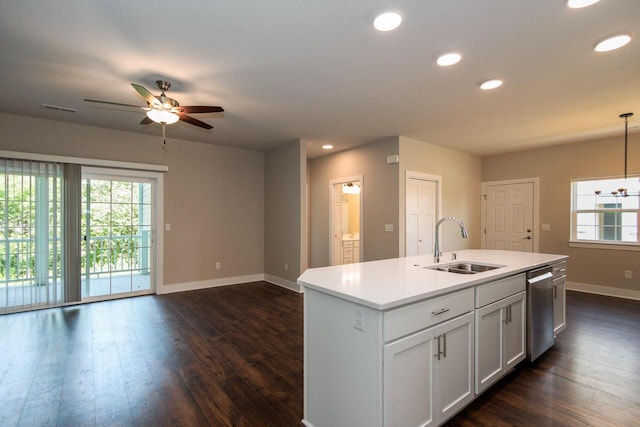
pixel 607 217
pixel 30 234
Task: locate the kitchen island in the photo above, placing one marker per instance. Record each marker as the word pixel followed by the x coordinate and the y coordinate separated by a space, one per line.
pixel 395 342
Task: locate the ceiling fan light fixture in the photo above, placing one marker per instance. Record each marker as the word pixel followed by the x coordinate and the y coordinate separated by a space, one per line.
pixel 612 43
pixel 162 116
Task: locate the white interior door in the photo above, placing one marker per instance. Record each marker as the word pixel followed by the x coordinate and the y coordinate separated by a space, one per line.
pixel 509 210
pixel 421 210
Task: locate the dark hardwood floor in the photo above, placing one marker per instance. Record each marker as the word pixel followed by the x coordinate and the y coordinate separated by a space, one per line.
pixel 590 377
pixel 233 356
pixel 223 356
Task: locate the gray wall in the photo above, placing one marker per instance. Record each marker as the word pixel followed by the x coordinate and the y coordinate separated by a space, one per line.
pixel 379 196
pixel 461 174
pixel 556 166
pixel 284 185
pixel 213 196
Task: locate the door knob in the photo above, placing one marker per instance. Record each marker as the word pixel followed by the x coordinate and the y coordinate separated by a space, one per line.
pixel 526 238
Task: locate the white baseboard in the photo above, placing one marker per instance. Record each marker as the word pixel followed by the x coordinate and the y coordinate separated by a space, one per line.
pixel 236 280
pixel 603 290
pixel 211 283
pixel 288 284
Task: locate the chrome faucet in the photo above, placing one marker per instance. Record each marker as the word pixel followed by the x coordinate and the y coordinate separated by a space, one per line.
pixel 436 248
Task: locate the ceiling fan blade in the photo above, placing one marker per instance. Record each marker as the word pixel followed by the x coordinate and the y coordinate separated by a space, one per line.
pixel 116 103
pixel 201 109
pixel 193 121
pixel 146 95
pixel 146 121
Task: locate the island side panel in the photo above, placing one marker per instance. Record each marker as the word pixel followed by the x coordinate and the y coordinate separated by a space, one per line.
pixel 342 364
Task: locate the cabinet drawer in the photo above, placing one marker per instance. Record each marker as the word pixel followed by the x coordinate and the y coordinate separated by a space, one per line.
pixel 414 317
pixel 559 269
pixel 347 252
pixel 494 291
pixel 347 244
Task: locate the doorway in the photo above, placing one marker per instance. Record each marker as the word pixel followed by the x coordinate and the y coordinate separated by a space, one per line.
pixel 118 249
pixel 346 220
pixel 510 215
pixel 422 209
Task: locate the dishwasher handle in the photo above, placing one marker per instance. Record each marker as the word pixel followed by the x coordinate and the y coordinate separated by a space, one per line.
pixel 540 278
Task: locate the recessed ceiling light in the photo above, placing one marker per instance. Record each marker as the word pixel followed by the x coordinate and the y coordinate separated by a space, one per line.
pixel 578 4
pixel 387 21
pixel 613 43
pixel 491 84
pixel 327 147
pixel 449 59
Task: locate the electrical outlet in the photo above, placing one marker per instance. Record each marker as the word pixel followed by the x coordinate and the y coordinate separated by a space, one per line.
pixel 286 267
pixel 167 227
pixel 218 266
pixel 628 274
pixel 358 319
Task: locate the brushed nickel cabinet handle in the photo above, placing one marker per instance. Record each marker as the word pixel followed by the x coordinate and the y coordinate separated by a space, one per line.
pixel 441 311
pixel 444 339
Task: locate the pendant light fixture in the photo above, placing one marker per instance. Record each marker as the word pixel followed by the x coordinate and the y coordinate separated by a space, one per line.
pixel 622 191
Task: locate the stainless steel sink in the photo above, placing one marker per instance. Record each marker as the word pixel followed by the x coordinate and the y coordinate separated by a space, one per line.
pixel 464 267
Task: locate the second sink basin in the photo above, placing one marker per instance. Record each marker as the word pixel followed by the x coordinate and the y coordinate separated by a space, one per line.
pixel 464 267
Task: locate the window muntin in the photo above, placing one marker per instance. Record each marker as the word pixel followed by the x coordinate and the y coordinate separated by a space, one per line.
pixel 607 217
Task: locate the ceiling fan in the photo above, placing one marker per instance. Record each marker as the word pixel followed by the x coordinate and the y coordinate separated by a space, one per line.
pixel 164 110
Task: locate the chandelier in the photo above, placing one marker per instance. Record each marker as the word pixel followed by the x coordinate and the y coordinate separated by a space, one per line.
pixel 622 191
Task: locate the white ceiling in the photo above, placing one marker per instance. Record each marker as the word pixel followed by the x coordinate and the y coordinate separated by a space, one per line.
pixel 318 71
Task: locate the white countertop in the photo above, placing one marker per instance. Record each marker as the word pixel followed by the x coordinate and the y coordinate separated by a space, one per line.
pixel 390 283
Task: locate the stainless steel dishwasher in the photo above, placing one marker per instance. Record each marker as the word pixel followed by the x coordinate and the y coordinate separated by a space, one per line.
pixel 539 311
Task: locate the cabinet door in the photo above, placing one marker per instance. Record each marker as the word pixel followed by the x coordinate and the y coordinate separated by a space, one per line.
pixel 409 380
pixel 515 347
pixel 455 369
pixel 559 305
pixel 489 340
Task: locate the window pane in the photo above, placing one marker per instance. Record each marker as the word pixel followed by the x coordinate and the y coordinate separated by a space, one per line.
pixel 606 222
pixel 586 219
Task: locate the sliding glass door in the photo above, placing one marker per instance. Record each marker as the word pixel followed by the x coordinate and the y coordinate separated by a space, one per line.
pixel 71 233
pixel 31 220
pixel 117 253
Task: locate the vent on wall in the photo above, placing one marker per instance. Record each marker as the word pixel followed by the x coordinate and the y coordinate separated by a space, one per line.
pixel 58 108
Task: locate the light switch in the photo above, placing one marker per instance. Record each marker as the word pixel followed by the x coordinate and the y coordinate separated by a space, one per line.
pixel 388 228
pixel 545 227
pixel 167 227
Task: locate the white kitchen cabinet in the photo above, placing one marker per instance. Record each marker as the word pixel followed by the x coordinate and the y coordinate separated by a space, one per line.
pixel 500 321
pixel 371 332
pixel 428 376
pixel 559 296
pixel 383 368
pixel 501 339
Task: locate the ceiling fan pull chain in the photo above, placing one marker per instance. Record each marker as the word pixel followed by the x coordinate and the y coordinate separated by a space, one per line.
pixel 164 138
